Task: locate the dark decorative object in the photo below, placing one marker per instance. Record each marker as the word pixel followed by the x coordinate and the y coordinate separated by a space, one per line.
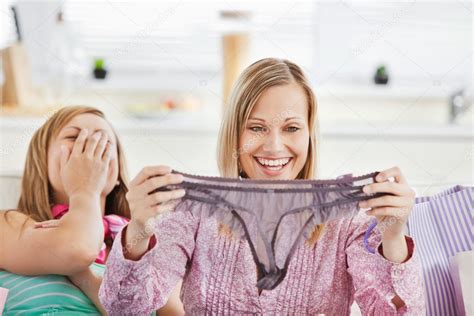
pixel 99 71
pixel 381 76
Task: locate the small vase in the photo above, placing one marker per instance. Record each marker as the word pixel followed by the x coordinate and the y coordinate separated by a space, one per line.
pixel 380 79
pixel 100 73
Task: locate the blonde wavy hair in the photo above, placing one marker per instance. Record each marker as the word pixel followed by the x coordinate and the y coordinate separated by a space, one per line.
pixel 250 85
pixel 36 198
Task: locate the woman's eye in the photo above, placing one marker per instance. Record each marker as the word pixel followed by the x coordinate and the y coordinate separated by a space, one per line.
pixel 257 129
pixel 293 129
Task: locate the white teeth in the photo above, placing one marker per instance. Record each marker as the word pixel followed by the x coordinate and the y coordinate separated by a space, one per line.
pixel 273 162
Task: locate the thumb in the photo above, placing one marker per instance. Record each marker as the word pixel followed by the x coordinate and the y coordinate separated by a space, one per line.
pixel 64 156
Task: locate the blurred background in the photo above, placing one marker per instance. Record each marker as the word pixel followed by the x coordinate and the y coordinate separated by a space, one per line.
pixel 393 79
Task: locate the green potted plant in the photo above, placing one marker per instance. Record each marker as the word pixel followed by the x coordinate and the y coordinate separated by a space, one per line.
pixel 99 71
pixel 381 76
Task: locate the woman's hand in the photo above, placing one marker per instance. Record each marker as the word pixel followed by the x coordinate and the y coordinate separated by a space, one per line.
pixel 84 169
pixel 145 206
pixel 391 211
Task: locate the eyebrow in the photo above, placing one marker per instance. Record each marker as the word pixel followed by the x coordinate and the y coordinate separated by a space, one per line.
pixel 287 119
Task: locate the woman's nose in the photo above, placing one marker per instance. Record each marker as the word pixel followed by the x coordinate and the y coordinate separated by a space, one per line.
pixel 273 142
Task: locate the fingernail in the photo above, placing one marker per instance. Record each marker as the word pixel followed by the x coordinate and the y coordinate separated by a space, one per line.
pixel 367 189
pixel 380 177
pixel 183 193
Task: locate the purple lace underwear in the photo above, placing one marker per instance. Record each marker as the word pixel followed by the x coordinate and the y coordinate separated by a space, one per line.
pixel 273 215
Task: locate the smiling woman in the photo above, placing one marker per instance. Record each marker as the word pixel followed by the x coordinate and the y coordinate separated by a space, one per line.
pixel 268 134
pixel 276 137
pixel 274 111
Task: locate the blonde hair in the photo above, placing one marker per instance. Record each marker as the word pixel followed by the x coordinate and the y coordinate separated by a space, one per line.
pixel 250 85
pixel 36 198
